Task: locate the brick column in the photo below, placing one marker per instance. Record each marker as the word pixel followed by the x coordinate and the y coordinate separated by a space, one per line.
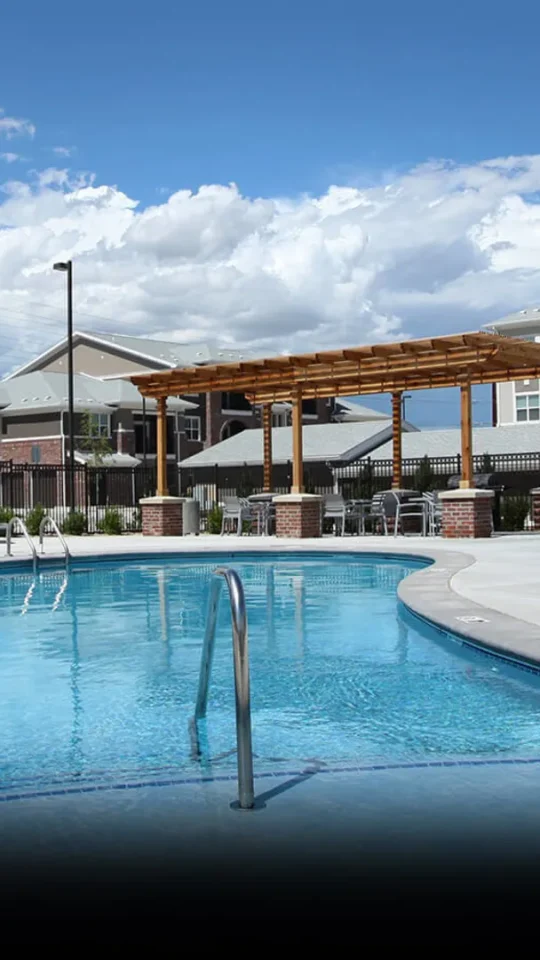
pixel 298 515
pixel 162 516
pixel 467 513
pixel 535 494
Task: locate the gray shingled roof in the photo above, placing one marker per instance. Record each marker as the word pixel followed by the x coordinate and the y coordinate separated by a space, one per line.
pixel 351 410
pixel 338 442
pixel 514 438
pixel 515 321
pixel 175 354
pixel 40 392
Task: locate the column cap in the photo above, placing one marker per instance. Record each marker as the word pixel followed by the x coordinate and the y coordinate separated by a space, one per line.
pixel 296 497
pixel 471 493
pixel 157 500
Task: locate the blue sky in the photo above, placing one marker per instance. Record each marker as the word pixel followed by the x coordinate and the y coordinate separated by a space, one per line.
pixel 279 98
pixel 282 99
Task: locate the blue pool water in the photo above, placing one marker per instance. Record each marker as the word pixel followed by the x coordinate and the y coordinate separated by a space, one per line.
pixel 98 674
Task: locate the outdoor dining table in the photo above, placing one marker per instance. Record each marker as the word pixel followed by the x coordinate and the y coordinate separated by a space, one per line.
pixel 262 502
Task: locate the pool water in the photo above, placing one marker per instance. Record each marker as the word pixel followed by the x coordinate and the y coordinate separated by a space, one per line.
pixel 99 672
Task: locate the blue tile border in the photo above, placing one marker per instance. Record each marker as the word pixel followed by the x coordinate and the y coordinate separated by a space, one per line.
pixel 232 777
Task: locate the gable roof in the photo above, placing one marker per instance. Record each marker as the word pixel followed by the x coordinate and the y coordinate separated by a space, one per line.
pixel 158 354
pixel 514 438
pixel 40 392
pixel 338 442
pixel 515 322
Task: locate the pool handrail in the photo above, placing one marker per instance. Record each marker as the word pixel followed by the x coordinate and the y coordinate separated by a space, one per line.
pixel 241 675
pixel 27 537
pixel 47 520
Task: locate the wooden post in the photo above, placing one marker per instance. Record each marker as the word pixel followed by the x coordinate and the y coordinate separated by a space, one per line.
pixel 298 464
pixel 162 490
pixel 396 441
pixel 267 447
pixel 466 481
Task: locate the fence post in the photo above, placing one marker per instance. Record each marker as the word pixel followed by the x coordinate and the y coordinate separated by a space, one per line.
pixel 11 504
pixel 289 475
pixel 458 462
pixel 216 482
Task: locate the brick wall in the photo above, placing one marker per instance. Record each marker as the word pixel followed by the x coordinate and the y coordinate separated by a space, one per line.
pixel 467 518
pixel 20 451
pixel 301 519
pixel 536 509
pixel 162 518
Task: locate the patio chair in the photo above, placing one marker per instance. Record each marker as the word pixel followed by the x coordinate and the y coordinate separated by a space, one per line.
pixel 335 508
pixel 376 513
pixel 236 511
pixel 405 509
pixel 434 514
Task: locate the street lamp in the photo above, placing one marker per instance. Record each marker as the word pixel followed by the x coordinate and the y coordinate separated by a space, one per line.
pixel 67 268
pixel 405 397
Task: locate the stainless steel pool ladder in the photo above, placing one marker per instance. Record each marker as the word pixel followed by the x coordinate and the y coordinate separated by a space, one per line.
pixel 48 521
pixel 16 521
pixel 241 676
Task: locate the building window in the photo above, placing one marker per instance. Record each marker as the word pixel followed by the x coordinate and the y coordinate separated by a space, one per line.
pixel 235 401
pixel 193 428
pixel 279 419
pixel 528 407
pixel 309 408
pixel 100 424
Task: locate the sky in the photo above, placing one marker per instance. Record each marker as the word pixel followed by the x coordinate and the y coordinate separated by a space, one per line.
pixel 282 177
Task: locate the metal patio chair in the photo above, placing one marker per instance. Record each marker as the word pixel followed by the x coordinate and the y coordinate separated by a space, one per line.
pixel 236 511
pixel 335 508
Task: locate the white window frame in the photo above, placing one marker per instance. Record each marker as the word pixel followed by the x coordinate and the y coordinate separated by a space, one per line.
pixel 103 423
pixel 528 406
pixel 188 423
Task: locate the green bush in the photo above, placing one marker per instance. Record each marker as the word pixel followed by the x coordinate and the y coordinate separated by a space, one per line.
pixel 6 514
pixel 214 519
pixel 34 518
pixel 74 524
pixel 111 523
pixel 424 478
pixel 514 512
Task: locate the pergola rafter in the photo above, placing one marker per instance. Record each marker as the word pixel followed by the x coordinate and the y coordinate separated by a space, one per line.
pixel 458 360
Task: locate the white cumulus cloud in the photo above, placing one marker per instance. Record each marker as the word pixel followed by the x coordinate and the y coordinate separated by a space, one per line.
pixel 442 247
pixel 9 157
pixel 15 126
pixel 63 151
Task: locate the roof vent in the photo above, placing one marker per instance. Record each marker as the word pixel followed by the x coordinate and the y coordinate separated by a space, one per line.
pixel 47 398
pixel 34 399
pixel 24 399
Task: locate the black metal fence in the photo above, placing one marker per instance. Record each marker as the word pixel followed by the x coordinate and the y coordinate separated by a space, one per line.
pixel 101 489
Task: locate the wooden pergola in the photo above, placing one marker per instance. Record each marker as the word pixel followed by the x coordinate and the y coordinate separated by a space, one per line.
pixel 458 360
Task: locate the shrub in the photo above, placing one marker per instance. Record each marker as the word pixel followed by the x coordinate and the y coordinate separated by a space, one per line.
pixel 34 518
pixel 425 478
pixel 6 514
pixel 111 523
pixel 74 524
pixel 214 519
pixel 514 512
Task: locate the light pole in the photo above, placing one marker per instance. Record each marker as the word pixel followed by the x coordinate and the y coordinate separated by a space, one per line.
pixel 67 267
pixel 405 397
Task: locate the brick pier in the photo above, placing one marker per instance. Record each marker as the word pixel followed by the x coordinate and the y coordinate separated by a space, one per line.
pixel 161 516
pixel 298 515
pixel 535 495
pixel 467 513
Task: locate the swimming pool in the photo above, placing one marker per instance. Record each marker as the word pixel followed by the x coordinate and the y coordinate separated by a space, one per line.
pixel 99 672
